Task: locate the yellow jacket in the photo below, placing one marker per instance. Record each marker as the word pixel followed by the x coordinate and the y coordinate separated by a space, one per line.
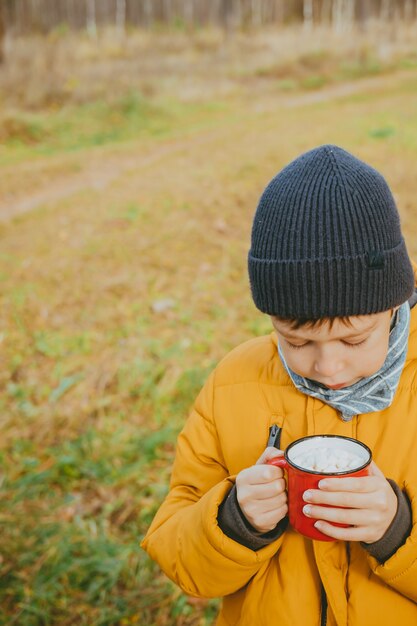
pixel 227 430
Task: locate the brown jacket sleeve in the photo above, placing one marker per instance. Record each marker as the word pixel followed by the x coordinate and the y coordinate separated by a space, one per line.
pixel 235 525
pixel 397 532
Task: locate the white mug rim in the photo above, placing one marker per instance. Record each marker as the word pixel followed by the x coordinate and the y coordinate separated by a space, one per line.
pixel 324 436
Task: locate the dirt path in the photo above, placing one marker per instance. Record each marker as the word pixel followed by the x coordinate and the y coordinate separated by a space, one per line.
pixel 104 169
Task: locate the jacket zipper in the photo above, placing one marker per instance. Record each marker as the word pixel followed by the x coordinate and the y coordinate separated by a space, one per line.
pixel 274 440
pixel 323 619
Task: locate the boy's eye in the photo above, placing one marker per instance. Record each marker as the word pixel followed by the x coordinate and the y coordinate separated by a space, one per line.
pixel 354 345
pixel 346 343
pixel 294 345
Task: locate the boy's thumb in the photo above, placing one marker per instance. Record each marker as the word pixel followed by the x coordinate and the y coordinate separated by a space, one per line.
pixel 268 454
pixel 374 470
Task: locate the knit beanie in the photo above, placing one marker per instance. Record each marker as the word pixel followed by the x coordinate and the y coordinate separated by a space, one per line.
pixel 327 242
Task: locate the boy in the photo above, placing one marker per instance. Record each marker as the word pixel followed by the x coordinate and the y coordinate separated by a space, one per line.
pixel 328 263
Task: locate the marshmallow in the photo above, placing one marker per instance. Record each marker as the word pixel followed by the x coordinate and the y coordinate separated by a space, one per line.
pixel 327 460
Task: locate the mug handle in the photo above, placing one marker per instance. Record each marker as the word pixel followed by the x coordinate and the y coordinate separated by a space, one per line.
pixel 278 461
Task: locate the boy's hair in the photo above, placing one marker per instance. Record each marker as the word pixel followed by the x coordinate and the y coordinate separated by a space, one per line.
pixel 327 242
pixel 296 323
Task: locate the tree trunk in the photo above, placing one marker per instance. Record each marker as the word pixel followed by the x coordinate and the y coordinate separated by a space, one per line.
pixel 408 11
pixel 189 13
pixel 227 15
pixel 214 12
pixel 2 33
pixel 91 19
pixel 255 10
pixel 386 10
pixel 326 11
pixel 238 13
pixel 280 11
pixel 147 9
pixel 349 13
pixel 121 16
pixel 337 15
pixel 362 15
pixel 308 14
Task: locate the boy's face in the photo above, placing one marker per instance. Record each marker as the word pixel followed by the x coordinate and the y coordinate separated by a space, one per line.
pixel 336 356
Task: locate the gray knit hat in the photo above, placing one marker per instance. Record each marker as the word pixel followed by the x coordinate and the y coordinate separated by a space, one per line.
pixel 326 240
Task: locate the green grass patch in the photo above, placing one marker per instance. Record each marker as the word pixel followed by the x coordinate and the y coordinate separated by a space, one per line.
pixel 96 124
pixel 71 519
pixel 383 132
pixel 86 126
pixel 313 82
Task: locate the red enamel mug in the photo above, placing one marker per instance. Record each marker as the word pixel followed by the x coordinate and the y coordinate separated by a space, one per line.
pixel 300 478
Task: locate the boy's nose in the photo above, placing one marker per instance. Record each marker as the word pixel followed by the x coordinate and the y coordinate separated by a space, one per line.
pixel 328 365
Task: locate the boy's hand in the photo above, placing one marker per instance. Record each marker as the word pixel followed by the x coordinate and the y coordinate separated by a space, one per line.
pixel 371 506
pixel 261 492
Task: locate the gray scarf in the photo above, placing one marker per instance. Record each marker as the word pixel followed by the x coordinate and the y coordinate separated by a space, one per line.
pixel 369 394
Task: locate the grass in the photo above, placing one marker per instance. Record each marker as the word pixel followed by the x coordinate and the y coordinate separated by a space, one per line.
pixel 79 127
pixel 115 305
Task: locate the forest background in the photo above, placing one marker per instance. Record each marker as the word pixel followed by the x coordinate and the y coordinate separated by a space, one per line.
pixel 135 140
